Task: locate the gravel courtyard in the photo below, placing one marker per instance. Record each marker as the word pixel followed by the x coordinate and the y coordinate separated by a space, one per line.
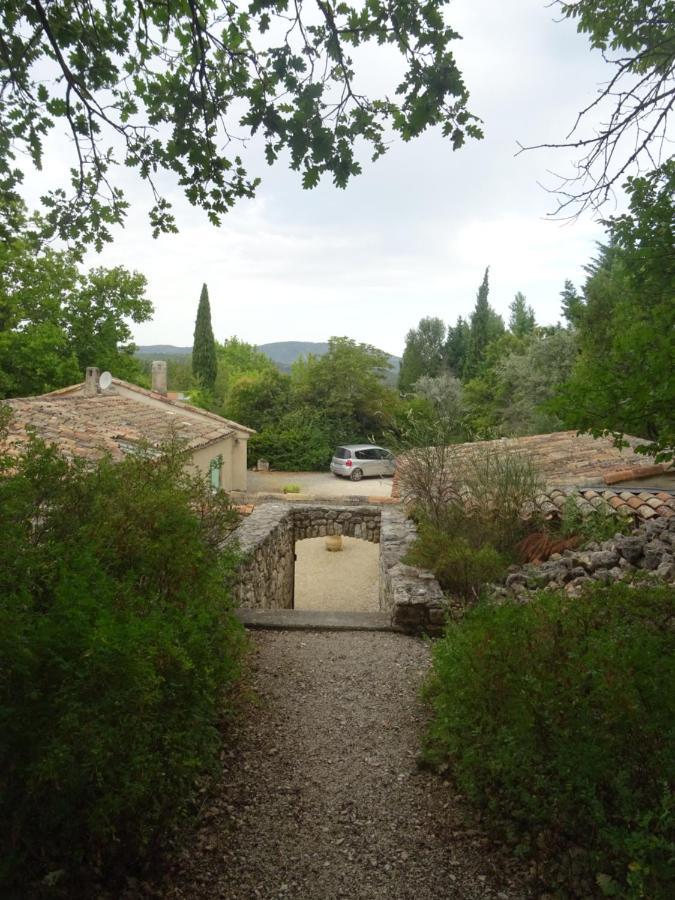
pixel 322 796
pixel 346 580
pixel 318 484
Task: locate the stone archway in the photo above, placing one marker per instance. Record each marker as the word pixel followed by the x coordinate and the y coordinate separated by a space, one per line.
pixel 266 572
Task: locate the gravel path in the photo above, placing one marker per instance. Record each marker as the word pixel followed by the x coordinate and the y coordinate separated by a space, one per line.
pixel 322 796
pixel 318 484
pixel 347 580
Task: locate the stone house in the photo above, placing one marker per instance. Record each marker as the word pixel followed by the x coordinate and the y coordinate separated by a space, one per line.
pixel 113 416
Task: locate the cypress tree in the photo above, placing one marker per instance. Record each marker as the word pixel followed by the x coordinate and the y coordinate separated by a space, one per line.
pixel 522 321
pixel 457 347
pixel 480 329
pixel 204 362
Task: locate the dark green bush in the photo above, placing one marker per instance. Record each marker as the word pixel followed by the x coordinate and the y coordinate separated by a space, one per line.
pixel 558 718
pixel 459 567
pixel 302 441
pixel 117 646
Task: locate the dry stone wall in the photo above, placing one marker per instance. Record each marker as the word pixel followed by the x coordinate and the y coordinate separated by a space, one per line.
pixel 266 541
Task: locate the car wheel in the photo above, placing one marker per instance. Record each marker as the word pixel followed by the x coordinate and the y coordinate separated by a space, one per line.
pixel 356 475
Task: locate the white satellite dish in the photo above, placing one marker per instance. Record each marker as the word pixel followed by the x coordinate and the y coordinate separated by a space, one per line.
pixel 105 381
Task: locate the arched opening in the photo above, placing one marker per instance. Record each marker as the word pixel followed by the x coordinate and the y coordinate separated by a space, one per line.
pixel 337 580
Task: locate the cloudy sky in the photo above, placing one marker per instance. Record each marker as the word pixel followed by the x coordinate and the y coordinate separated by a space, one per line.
pixel 410 237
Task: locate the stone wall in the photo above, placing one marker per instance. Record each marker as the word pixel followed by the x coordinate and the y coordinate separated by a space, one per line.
pixel 266 540
pixel 649 548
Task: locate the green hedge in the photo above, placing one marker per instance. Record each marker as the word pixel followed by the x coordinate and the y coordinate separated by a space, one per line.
pixel 117 646
pixel 558 718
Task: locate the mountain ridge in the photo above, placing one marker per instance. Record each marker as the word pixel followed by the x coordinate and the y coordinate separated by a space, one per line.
pixel 283 353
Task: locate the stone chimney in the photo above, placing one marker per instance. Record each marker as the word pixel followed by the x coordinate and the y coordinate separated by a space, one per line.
pixel 159 377
pixel 91 381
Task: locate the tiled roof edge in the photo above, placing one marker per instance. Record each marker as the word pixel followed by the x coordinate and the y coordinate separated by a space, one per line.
pixel 180 404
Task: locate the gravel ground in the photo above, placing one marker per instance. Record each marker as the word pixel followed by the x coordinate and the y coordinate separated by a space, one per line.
pixel 347 580
pixel 321 794
pixel 318 484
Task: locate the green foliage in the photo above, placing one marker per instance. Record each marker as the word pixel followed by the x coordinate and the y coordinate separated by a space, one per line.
pixel 258 399
pixel 346 383
pixel 460 568
pixel 486 325
pixel 56 320
pixel 170 86
pixel 204 362
pixel 457 346
pixel 622 382
pixel 237 359
pixel 117 646
pixel 470 509
pixel 423 354
pixel 336 398
pixel 599 525
pixel 445 395
pixel 522 321
pixel 556 718
pixel 301 441
pixel 526 380
pixel 291 489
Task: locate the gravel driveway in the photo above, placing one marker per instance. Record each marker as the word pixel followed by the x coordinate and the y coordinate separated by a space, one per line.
pixel 322 797
pixel 318 484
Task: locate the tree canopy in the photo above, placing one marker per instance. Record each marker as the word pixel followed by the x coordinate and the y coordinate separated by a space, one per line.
pixel 623 379
pixel 55 319
pixel 180 87
pixel 423 353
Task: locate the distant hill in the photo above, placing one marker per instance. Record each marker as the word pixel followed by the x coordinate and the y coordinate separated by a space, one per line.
pixel 163 350
pixel 283 353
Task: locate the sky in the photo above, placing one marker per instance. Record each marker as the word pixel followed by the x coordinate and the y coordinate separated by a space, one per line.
pixel 410 237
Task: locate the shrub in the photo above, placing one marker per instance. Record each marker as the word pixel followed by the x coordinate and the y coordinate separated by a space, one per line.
pixel 558 718
pixel 291 489
pixel 459 567
pixel 482 494
pixel 297 443
pixel 599 525
pixel 116 648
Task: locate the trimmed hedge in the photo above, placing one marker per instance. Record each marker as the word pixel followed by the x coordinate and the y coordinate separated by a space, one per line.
pixel 557 717
pixel 117 646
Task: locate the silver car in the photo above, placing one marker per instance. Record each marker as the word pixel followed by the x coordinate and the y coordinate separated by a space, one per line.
pixel 356 460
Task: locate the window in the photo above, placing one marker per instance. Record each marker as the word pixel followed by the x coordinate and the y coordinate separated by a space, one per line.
pixel 370 453
pixel 215 467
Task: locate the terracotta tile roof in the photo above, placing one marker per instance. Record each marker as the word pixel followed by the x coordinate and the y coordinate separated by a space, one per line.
pixel 640 505
pixel 582 467
pixel 91 426
pixel 170 399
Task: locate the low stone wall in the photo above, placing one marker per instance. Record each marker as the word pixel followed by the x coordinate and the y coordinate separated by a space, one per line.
pixel 266 540
pixel 649 548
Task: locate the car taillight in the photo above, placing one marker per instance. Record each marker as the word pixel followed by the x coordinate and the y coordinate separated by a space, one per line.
pixel 348 463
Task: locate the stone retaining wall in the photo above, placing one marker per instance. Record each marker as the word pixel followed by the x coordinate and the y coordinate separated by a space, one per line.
pixel 266 540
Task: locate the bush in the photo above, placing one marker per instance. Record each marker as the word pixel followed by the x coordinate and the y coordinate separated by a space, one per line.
pixel 116 647
pixel 482 494
pixel 599 525
pixel 558 718
pixel 295 444
pixel 459 567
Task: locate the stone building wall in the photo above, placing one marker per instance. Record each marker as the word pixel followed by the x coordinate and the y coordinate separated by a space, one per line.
pixel 266 540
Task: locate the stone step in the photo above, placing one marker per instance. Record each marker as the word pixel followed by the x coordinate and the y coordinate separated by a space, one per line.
pixel 314 620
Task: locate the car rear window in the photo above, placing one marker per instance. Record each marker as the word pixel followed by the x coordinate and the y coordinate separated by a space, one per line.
pixel 342 453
